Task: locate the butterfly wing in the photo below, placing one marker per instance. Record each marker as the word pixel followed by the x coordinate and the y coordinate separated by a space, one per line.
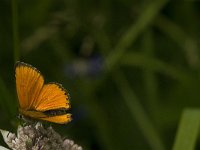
pixel 29 83
pixel 52 117
pixel 61 119
pixel 52 97
pixel 53 101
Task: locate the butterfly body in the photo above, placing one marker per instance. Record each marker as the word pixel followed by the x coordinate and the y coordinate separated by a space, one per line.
pixel 47 102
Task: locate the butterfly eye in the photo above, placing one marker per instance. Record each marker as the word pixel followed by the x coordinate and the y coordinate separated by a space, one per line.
pixel 20 116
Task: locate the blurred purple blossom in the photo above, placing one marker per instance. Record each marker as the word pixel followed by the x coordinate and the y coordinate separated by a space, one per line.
pixel 91 67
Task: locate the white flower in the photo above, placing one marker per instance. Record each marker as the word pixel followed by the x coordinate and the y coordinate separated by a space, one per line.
pixel 36 137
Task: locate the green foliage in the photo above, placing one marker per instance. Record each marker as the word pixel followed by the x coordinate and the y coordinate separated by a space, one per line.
pixel 131 68
pixel 188 130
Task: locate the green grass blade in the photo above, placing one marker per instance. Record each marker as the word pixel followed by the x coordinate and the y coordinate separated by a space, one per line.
pixel 188 130
pixel 15 30
pixel 138 113
pixel 150 80
pixel 134 31
pixel 136 59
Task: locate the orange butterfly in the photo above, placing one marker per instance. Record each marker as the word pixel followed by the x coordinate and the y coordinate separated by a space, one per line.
pixel 40 101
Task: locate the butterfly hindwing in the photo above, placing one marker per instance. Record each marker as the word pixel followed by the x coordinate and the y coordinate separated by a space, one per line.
pixel 45 116
pixel 61 119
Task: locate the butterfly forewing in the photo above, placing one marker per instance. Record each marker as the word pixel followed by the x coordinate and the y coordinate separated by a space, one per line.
pixel 29 83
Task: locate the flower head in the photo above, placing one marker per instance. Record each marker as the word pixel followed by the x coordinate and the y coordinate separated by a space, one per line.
pixel 36 137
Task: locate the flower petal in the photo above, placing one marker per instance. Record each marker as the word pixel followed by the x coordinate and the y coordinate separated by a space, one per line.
pixel 3 148
pixel 4 134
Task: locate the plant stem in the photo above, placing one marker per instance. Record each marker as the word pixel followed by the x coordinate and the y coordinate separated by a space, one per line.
pixel 15 30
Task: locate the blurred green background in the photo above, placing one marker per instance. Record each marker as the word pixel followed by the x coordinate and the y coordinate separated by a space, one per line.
pixel 131 67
